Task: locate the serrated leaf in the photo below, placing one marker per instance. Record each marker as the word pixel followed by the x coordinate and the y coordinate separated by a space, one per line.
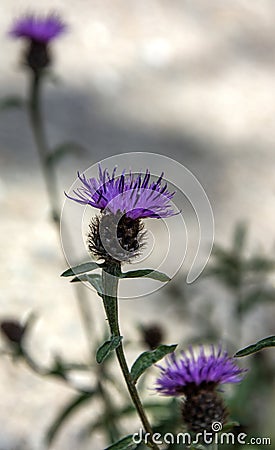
pixel 62 150
pixel 125 443
pixel 81 268
pixel 11 102
pixel 107 347
pixel 75 403
pixel 95 280
pixel 147 273
pixel 263 343
pixel 147 359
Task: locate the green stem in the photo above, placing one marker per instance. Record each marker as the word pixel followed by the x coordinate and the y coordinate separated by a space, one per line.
pixel 48 170
pixel 110 288
pixel 41 144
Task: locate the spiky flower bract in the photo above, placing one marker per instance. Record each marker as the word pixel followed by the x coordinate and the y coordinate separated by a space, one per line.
pixel 38 29
pixel 196 378
pixel 133 195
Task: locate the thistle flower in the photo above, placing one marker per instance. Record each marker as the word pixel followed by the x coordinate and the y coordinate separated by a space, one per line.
pixel 38 31
pixel 116 234
pixel 197 378
pixel 132 195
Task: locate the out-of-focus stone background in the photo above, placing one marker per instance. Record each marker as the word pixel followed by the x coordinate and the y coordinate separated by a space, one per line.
pixel 193 80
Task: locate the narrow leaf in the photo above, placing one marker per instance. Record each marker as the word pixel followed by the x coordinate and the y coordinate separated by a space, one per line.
pixel 263 343
pixel 147 273
pixel 94 279
pixel 147 359
pixel 81 268
pixel 125 443
pixel 107 347
pixel 11 102
pixel 65 413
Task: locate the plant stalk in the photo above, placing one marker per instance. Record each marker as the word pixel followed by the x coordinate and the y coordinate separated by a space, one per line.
pixel 110 289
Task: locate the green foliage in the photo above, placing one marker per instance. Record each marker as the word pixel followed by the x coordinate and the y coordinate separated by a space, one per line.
pixel 263 343
pixel 107 347
pixel 145 273
pixel 94 280
pixel 81 269
pixel 65 413
pixel 147 359
pixel 125 443
pixel 11 102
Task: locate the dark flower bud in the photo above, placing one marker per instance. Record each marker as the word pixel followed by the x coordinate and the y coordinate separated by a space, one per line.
pixel 153 335
pixel 13 331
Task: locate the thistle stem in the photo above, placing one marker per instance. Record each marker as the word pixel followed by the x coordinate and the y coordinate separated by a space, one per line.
pixel 48 170
pixel 110 301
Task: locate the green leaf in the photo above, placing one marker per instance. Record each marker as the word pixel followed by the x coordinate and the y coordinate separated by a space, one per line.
pixel 125 443
pixel 229 425
pixel 62 150
pixel 263 343
pixel 259 264
pixel 107 347
pixel 81 268
pixel 147 273
pixel 147 359
pixel 75 403
pixel 94 279
pixel 11 102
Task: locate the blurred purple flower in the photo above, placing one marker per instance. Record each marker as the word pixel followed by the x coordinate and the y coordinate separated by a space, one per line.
pixel 38 29
pixel 190 373
pixel 132 195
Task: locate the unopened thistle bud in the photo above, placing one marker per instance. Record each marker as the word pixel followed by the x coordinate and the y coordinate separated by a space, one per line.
pixel 152 335
pixel 13 331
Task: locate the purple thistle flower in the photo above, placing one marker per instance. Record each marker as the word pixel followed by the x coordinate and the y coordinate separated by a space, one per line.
pixel 132 195
pixel 38 29
pixel 190 373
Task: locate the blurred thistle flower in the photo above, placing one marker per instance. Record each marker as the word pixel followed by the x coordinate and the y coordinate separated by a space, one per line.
pixel 116 234
pixel 152 335
pixel 13 331
pixel 197 378
pixel 38 31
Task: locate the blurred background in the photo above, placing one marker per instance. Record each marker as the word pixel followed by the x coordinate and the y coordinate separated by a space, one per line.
pixel 192 80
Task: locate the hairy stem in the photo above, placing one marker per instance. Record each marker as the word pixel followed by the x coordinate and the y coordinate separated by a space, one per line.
pixel 110 288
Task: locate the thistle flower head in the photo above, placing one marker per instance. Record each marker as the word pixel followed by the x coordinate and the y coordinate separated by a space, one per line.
pixel 133 195
pixel 196 378
pixel 190 372
pixel 38 29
